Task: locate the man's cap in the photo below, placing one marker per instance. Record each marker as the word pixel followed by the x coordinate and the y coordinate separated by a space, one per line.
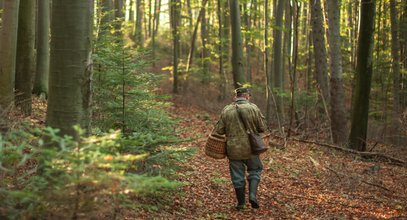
pixel 242 90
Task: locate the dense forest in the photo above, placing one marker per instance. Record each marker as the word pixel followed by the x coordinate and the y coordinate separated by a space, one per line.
pixel 105 106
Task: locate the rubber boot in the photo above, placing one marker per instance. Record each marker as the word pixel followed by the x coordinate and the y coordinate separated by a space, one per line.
pixel 253 184
pixel 240 198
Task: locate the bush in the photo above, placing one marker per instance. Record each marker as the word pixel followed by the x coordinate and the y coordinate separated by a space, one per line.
pixel 44 174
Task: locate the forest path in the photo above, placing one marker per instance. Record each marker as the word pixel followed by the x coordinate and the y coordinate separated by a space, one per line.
pixel 301 181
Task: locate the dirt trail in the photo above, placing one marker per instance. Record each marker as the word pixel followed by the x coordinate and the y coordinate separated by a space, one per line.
pixel 299 182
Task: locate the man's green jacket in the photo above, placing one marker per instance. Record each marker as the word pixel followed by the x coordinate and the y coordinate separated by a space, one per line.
pixel 229 124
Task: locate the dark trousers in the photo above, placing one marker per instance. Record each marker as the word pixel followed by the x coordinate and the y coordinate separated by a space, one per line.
pixel 237 170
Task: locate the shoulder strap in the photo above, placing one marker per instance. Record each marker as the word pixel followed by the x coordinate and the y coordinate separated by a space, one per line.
pixel 239 113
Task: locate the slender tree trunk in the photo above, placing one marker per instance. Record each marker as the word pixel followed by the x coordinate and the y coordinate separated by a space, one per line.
pixel 395 52
pixel 193 38
pixel 277 62
pixel 119 16
pixel 106 16
pixel 138 28
pixel 156 19
pixel 338 115
pixel 360 104
pixel 70 75
pixel 266 62
pixel 42 72
pixel 190 17
pixel 175 14
pixel 350 33
pixel 403 36
pixel 287 56
pixel 8 51
pixel 223 83
pixel 247 25
pixel 25 56
pixel 293 75
pixel 205 52
pixel 150 17
pixel 237 46
pixel 318 33
pixel 226 35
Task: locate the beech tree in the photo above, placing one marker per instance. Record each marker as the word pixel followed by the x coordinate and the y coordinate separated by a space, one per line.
pixel 338 126
pixel 8 48
pixel 237 46
pixel 320 54
pixel 70 72
pixel 43 29
pixel 25 55
pixel 364 70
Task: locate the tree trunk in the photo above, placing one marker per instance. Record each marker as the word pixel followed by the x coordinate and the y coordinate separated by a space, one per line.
pixel 106 9
pixel 277 61
pixel 205 52
pixel 395 52
pixel 360 104
pixel 138 28
pixel 8 51
pixel 223 83
pixel 190 17
pixel 237 47
pixel 320 54
pixel 42 73
pixel 287 44
pixel 338 115
pixel 247 26
pixel 175 17
pixel 226 35
pixel 350 33
pixel 118 15
pixel 25 56
pixel 156 19
pixel 403 36
pixel 266 62
pixel 70 75
pixel 150 17
pixel 193 37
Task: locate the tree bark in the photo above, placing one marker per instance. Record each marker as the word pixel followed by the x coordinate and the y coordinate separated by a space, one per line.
pixel 118 15
pixel 156 19
pixel 247 25
pixel 226 35
pixel 205 52
pixel 43 26
pixel 25 56
pixel 138 28
pixel 277 61
pixel 237 46
pixel 193 38
pixel 266 62
pixel 320 54
pixel 223 83
pixel 395 52
pixel 338 115
pixel 360 104
pixel 106 8
pixel 403 36
pixel 8 51
pixel 70 75
pixel 175 16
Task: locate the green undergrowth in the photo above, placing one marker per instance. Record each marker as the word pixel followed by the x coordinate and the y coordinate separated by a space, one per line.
pixel 130 161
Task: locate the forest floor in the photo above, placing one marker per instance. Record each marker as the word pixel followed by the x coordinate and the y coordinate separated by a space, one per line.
pixel 300 181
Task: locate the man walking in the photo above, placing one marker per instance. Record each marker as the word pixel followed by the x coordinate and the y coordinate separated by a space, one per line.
pixel 238 146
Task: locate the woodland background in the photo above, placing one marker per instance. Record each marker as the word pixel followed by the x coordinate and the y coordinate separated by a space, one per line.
pixel 105 105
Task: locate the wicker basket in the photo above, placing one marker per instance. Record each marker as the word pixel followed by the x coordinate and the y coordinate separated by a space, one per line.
pixel 216 147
